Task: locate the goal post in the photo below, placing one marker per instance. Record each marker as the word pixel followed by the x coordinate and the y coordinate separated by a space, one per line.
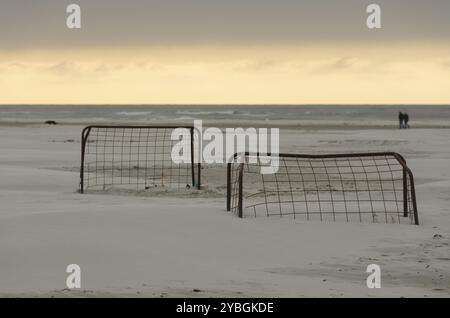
pixel 360 187
pixel 136 158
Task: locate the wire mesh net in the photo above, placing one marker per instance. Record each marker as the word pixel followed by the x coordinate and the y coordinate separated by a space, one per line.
pixel 136 158
pixel 376 188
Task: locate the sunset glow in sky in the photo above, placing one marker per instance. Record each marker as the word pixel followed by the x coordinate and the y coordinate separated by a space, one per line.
pixel 221 52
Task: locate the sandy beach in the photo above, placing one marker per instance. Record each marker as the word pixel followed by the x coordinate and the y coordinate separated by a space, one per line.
pixel 188 245
pixel 253 154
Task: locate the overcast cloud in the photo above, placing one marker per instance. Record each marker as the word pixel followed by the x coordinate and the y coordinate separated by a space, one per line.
pixel 41 23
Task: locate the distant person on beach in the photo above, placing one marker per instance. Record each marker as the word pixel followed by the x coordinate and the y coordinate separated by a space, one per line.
pixel 406 119
pixel 401 119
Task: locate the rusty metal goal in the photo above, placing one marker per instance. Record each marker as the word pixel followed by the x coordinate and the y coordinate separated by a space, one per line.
pixel 360 187
pixel 135 157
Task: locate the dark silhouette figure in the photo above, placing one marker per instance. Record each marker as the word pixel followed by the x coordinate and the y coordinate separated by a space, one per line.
pixel 401 120
pixel 406 119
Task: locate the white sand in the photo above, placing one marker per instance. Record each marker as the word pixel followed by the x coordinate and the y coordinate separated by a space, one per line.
pixel 166 246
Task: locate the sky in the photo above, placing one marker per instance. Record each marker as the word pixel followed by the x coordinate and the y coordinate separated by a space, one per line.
pixel 224 52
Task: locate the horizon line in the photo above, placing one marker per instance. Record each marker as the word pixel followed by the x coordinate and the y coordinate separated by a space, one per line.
pixel 231 104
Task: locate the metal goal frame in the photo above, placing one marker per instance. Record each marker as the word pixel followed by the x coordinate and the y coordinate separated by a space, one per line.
pixel 127 132
pixel 336 173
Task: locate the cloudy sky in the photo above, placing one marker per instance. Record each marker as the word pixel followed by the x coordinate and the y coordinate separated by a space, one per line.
pixel 224 51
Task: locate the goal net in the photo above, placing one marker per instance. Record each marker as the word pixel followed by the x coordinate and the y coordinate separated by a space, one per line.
pixel 369 187
pixel 137 158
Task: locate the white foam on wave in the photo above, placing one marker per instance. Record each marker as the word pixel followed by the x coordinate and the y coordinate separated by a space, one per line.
pixel 124 113
pixel 198 112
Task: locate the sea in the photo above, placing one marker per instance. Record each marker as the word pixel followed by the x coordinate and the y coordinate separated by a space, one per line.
pixel 141 114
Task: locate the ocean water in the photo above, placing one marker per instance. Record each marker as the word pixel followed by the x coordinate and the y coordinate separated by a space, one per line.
pixel 363 114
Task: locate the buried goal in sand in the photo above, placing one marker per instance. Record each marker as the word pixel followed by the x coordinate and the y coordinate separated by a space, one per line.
pixel 367 187
pixel 136 158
